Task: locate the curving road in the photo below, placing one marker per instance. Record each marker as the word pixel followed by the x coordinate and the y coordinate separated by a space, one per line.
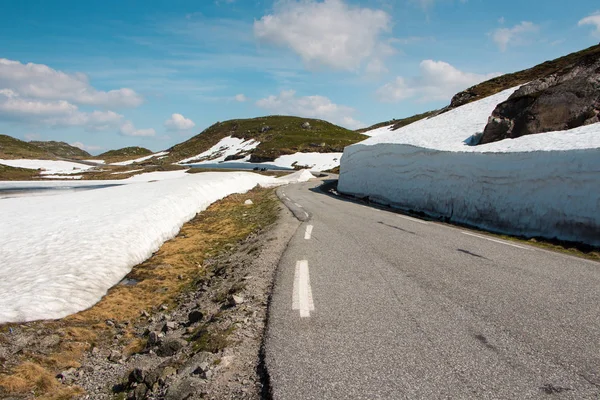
pixel 371 304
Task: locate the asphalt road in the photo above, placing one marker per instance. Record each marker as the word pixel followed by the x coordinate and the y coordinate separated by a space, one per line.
pixel 371 304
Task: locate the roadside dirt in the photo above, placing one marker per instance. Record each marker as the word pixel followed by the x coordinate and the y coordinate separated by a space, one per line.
pixel 186 324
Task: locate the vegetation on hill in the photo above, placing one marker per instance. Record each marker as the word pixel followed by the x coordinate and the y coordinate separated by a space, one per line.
pixel 61 149
pixel 17 174
pixel 12 148
pixel 124 154
pixel 399 123
pixel 278 135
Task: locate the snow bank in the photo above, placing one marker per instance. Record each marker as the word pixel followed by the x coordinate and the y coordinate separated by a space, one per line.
pixel 95 161
pixel 298 176
pixel 49 167
pixel 227 146
pixel 312 161
pixel 538 185
pixel 141 159
pixel 60 254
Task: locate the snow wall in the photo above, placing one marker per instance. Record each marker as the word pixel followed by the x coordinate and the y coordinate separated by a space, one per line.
pixel 551 194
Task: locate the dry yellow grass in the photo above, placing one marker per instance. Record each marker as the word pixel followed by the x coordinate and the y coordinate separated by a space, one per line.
pixel 171 270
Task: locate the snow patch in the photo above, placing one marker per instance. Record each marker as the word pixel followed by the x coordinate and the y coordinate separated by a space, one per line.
pixel 312 161
pixel 141 159
pixel 227 146
pixel 60 254
pixel 49 167
pixel 379 131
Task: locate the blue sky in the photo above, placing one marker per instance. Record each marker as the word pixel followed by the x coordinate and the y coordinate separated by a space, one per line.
pixel 109 74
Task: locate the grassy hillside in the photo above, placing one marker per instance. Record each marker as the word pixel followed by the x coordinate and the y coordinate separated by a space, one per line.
pixel 124 154
pixel 278 135
pixel 12 148
pixel 17 174
pixel 399 123
pixel 62 149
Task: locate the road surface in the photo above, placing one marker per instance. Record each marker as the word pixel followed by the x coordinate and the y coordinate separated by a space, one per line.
pixel 372 304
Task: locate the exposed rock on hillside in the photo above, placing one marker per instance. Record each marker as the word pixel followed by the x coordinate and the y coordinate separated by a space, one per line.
pixel 61 149
pixel 564 100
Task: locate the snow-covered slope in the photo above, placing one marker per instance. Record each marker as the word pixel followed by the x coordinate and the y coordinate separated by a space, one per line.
pixel 312 161
pixel 538 185
pixel 59 254
pixel 228 146
pixel 379 131
pixel 141 159
pixel 49 167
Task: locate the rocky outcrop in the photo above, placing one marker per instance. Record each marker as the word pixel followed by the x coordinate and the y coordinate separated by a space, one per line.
pixel 564 100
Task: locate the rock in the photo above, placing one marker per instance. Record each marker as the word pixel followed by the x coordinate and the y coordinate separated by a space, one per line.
pixel 169 326
pixel 248 202
pixel 265 128
pixel 153 338
pixel 170 347
pixel 151 378
pixel 195 316
pixel 236 300
pixel 110 322
pixel 166 372
pixel 140 391
pixel 145 314
pixel 306 125
pixel 565 100
pixel 114 356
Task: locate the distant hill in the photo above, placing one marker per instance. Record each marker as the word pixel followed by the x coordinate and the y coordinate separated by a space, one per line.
pixel 61 149
pixel 278 135
pixel 12 148
pixel 399 123
pixel 124 154
pixel 17 174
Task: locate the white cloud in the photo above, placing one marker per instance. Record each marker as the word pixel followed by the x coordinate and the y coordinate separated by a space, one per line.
pixel 594 20
pixel 240 97
pixel 516 35
pixel 438 80
pixel 320 107
pixel 329 33
pixel 32 136
pixel 38 81
pixel 178 122
pixel 128 129
pixel 86 147
pixel 54 113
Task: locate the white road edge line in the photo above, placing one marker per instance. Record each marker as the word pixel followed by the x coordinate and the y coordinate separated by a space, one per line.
pixel 297 205
pixel 413 219
pixel 308 233
pixel 302 294
pixel 497 241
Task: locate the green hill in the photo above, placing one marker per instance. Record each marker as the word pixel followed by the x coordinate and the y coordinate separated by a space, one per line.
pixel 12 148
pixel 278 135
pixel 124 154
pixel 61 149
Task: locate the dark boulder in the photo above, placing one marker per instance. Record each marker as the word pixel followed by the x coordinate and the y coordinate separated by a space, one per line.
pixel 564 100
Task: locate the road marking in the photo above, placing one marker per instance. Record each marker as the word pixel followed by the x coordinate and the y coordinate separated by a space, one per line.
pixel 297 205
pixel 413 219
pixel 497 241
pixel 305 214
pixel 308 232
pixel 302 295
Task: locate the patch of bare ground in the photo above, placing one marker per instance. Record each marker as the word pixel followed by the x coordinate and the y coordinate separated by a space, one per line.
pixel 185 324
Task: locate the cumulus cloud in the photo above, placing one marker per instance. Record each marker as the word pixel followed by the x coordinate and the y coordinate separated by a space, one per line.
pixel 178 122
pixel 287 103
pixel 38 81
pixel 329 33
pixel 54 113
pixel 438 80
pixel 594 20
pixel 240 97
pixel 516 35
pixel 128 129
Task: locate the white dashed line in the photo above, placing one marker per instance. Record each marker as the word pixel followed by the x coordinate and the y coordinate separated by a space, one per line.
pixel 297 205
pixel 413 219
pixel 302 296
pixel 497 241
pixel 308 233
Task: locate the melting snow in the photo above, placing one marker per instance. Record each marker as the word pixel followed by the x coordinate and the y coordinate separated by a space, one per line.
pixel 138 160
pixel 227 146
pixel 60 254
pixel 49 166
